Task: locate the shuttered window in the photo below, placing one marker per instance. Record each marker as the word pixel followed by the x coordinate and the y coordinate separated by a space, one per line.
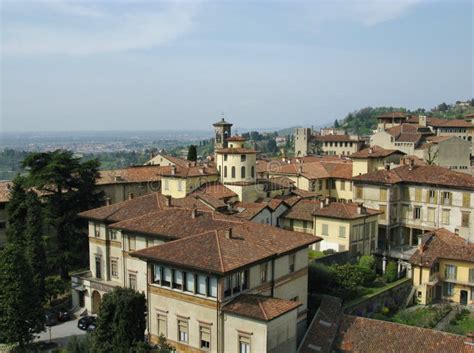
pixel 383 194
pixel 445 216
pixel 418 194
pixel 205 337
pixel 244 344
pixel 466 200
pixel 162 325
pixel 183 331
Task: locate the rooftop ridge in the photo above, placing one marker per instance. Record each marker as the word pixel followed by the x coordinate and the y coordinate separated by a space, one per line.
pixel 219 252
pixel 260 304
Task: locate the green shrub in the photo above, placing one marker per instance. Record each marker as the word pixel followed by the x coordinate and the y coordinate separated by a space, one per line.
pixel 314 254
pixel 348 278
pixel 391 272
pixel 368 274
pixel 368 262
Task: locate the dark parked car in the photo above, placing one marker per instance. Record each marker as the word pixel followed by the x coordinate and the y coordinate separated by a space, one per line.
pixel 51 318
pixel 85 322
pixel 63 315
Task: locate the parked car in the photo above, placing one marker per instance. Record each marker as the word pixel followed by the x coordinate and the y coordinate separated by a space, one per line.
pixel 85 322
pixel 51 318
pixel 63 315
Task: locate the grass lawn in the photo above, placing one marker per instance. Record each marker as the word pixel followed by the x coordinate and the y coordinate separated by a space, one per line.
pixel 426 317
pixel 463 324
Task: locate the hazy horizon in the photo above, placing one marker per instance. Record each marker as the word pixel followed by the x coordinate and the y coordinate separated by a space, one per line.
pixel 78 66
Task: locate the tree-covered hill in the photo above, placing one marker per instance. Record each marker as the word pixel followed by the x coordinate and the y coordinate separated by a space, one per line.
pixel 363 121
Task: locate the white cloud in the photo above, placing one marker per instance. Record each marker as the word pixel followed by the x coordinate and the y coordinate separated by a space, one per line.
pixel 365 12
pixel 82 28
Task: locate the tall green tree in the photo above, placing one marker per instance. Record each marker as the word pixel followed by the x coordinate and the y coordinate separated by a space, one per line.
pixel 17 316
pixel 16 211
pixel 36 257
pixel 68 187
pixel 192 153
pixel 121 321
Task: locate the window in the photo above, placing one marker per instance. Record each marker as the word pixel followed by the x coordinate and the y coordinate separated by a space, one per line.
pixel 189 284
pixel 244 344
pixel 232 172
pixel 183 331
pixel 225 171
pixel 97 230
pixel 156 274
pixel 3 225
pixel 113 234
pixel 292 259
pixel 343 185
pixel 320 184
pixel 167 184
pixel 448 289
pixel 166 280
pixel 180 185
pixel 242 172
pixel 205 337
pixel 132 280
pixel 445 216
pixel 471 275
pixel 324 230
pixel 446 198
pixel 305 224
pixel 342 232
pixel 177 279
pixel 225 158
pixel 431 214
pixel 418 194
pixel 465 216
pixel 162 325
pixel 466 199
pixel 432 196
pixel 358 190
pixel 383 194
pixel 201 284
pixel 212 287
pixel 405 211
pixel 263 272
pixel 98 272
pixel 243 157
pixel 450 272
pixel 252 172
pixel 132 243
pixel 114 267
pixel 417 212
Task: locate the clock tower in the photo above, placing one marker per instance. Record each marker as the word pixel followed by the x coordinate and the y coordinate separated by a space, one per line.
pixel 223 131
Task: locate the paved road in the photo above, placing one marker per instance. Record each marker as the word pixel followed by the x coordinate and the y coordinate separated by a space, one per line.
pixel 61 333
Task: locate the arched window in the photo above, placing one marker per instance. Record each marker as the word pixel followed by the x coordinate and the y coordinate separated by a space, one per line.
pixel 232 172
pixel 242 172
pixel 225 171
pixel 252 172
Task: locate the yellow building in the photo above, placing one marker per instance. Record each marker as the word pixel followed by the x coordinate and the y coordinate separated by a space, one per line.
pixel 374 158
pixel 214 283
pixel 342 226
pixel 179 182
pixel 443 268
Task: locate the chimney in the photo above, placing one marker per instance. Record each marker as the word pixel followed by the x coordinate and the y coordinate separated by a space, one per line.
pixel 130 195
pixel 107 201
pixel 300 169
pixel 371 150
pixel 361 209
pixel 168 201
pixel 387 166
pixel 321 203
pixel 327 201
pixel 202 170
pixel 193 213
pixel 228 233
pixel 411 164
pixel 173 170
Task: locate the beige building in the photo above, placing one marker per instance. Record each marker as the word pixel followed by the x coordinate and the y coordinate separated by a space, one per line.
pixel 415 200
pixel 388 120
pixel 443 268
pixel 374 158
pixel 447 151
pixel 166 161
pixel 339 145
pixel 213 282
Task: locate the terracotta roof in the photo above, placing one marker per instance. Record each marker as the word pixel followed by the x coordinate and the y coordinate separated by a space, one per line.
pixel 248 210
pixel 393 115
pixel 323 329
pixel 237 138
pixel 217 190
pixel 137 207
pixel 360 334
pixel 5 190
pixel 337 138
pixel 210 200
pixel 230 150
pixel 344 211
pixel 332 331
pixel 375 152
pixel 469 116
pixel 317 170
pixel 218 252
pixel 302 210
pixel 450 123
pixel 444 244
pixel 176 160
pixel 176 222
pixel 422 174
pixel 408 132
pixel 188 171
pixel 259 307
pixel 136 174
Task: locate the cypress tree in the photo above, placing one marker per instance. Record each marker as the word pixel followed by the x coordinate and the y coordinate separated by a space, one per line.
pixel 16 212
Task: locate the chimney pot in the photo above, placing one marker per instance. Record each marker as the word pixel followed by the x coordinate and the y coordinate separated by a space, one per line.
pixel 168 201
pixel 107 201
pixel 228 233
pixel 387 166
pixel 193 213
pixel 130 195
pixel 371 150
pixel 321 204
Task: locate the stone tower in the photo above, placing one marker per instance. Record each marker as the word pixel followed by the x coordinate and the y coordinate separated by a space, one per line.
pixel 302 138
pixel 223 131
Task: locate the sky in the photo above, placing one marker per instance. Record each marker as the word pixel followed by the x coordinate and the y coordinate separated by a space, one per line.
pixel 71 65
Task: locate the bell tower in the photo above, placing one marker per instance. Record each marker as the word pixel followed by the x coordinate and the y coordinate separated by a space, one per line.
pixel 222 130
